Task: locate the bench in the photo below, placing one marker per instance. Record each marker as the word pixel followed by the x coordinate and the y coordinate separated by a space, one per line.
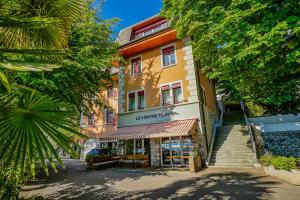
pixel 131 160
pixel 104 164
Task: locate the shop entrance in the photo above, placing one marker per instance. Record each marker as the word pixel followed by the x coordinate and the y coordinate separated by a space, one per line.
pixel 175 151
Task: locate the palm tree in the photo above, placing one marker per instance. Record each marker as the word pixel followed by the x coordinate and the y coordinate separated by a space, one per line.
pixel 31 124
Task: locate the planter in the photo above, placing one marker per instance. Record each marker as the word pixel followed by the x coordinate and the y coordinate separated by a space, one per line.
pixel 195 163
pixel 292 177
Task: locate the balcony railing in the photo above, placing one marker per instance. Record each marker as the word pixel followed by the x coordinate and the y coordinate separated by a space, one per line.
pixel 149 30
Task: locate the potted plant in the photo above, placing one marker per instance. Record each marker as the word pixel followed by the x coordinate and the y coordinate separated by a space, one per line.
pixel 195 161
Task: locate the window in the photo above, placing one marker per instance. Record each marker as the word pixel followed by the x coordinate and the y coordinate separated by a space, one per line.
pixel 91 119
pixel 110 92
pixel 136 68
pixel 177 93
pixel 141 100
pixel 131 101
pixel 168 56
pixel 109 116
pixel 139 147
pixel 136 100
pixel 171 94
pixel 165 93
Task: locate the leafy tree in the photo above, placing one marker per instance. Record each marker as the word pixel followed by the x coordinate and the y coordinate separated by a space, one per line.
pixel 251 46
pixel 32 124
pixel 86 68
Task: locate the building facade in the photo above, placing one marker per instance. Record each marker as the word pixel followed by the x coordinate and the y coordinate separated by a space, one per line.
pixel 166 107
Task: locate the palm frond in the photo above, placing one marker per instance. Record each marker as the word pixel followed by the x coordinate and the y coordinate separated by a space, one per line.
pixel 28 66
pixel 28 22
pixel 31 125
pixel 4 81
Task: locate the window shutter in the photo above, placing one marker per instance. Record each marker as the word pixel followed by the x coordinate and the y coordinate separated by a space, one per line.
pixel 131 95
pixel 166 87
pixel 168 50
pixel 141 93
pixel 176 85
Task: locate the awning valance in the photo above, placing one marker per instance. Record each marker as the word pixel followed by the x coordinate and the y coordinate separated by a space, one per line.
pixel 158 130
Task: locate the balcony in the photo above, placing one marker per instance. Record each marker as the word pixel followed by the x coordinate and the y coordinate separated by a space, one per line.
pixel 151 29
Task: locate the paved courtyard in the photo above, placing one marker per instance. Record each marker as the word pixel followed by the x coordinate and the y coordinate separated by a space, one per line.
pixel 118 183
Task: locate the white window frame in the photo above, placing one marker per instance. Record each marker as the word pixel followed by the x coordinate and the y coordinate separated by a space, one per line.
pixel 130 70
pixel 105 114
pixel 136 99
pixel 171 92
pixel 162 55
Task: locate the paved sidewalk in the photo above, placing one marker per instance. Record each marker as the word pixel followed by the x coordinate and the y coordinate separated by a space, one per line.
pixel 117 183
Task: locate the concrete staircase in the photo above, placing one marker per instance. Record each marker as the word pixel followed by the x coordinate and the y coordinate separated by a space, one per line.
pixel 232 145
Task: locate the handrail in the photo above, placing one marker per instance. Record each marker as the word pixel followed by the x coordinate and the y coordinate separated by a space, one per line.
pixel 216 125
pixel 250 132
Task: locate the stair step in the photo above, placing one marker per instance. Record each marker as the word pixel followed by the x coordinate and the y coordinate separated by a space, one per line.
pixel 224 161
pixel 232 165
pixel 230 154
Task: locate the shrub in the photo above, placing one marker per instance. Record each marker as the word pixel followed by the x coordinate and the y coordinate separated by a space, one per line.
pixel 282 162
pixel 266 160
pixel 279 162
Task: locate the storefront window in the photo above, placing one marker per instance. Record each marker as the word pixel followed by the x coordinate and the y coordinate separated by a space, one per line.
pixel 129 147
pixel 175 151
pixel 139 146
pixel 121 147
pixel 186 149
pixel 165 151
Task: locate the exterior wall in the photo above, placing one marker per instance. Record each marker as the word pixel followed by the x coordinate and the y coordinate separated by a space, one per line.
pixel 153 75
pixel 162 114
pixel 95 131
pixel 208 86
pixel 155 152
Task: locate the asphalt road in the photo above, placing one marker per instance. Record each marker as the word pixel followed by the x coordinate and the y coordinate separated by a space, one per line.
pixel 75 182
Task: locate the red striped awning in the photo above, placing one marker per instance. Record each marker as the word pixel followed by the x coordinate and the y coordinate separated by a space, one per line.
pixel 158 130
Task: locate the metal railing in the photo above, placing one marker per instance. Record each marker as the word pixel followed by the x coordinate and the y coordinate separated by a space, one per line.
pixel 216 125
pixel 250 132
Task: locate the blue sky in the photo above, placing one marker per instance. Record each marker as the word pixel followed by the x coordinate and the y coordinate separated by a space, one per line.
pixel 130 11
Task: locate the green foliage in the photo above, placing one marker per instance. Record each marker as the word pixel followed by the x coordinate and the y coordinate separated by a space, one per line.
pixel 251 47
pixel 87 67
pixel 279 162
pixel 38 24
pixel 11 181
pixel 266 160
pixel 282 162
pixel 31 125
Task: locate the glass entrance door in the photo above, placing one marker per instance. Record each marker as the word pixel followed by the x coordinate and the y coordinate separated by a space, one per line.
pixel 175 151
pixel 165 152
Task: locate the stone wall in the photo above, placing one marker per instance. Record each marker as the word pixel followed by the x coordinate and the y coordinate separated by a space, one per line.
pixel 285 143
